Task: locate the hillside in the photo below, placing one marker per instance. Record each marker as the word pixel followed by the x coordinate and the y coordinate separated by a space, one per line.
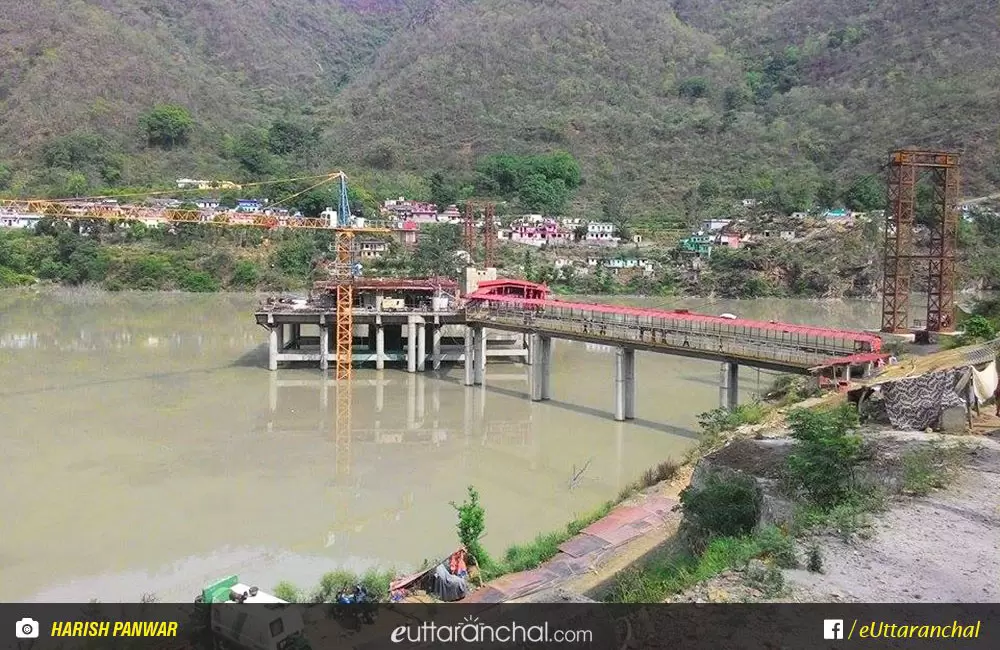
pixel 794 99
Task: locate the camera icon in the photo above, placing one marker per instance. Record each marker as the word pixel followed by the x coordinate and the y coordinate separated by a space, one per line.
pixel 27 628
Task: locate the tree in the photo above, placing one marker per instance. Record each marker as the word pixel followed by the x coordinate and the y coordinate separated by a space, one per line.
pixel 867 193
pixel 166 125
pixel 285 137
pixel 443 193
pixel 435 254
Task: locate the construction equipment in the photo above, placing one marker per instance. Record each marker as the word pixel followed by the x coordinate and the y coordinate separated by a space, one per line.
pixel 234 623
pixel 343 270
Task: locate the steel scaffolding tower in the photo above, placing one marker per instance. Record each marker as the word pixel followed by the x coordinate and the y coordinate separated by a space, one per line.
pixel 904 169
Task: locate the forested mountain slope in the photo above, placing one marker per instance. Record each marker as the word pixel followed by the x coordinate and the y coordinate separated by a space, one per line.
pixel 655 98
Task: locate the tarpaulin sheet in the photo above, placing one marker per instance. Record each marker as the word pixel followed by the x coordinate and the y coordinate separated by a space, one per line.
pixel 917 402
pixel 985 382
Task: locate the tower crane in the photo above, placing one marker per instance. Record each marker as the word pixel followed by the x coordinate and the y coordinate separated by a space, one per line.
pixel 343 270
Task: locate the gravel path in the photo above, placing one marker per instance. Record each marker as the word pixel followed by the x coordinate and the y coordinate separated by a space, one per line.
pixel 939 548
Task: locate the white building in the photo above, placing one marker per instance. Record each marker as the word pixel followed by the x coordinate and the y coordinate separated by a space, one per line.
pixel 601 232
pixel 13 220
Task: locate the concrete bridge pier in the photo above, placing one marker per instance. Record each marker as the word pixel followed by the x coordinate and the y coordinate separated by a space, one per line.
pixel 421 345
pixel 729 386
pixel 436 346
pixel 411 344
pixel 541 367
pixel 324 344
pixel 379 345
pixel 479 356
pixel 470 356
pixel 624 384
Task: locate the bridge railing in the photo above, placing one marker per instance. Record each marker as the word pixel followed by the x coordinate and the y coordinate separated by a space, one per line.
pixel 655 334
pixel 822 341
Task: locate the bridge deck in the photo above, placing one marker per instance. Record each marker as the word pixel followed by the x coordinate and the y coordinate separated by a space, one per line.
pixel 776 346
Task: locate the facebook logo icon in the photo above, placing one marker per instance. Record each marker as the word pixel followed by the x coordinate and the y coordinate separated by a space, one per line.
pixel 833 628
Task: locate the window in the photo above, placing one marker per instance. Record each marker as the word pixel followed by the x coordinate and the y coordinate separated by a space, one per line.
pixel 277 627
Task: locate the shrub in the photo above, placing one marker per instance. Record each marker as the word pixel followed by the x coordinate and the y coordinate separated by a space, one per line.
pixel 778 546
pixel 815 562
pixel 199 282
pixel 471 526
pixel 287 591
pixel 723 507
pixel 245 275
pixel 827 453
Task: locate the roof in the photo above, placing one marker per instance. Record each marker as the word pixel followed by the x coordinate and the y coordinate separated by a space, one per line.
pixel 505 282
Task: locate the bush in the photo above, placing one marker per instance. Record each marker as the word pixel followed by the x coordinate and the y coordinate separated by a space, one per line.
pixel 472 526
pixel 724 507
pixel 245 275
pixel 287 591
pixel 827 453
pixel 779 547
pixel 198 281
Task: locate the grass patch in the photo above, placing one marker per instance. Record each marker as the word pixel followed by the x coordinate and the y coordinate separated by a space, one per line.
pixel 715 424
pixel 521 557
pixel 674 572
pixel 931 467
pixel 375 581
pixel 652 476
pixel 849 516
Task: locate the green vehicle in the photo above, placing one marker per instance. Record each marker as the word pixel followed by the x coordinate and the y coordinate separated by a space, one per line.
pixel 242 617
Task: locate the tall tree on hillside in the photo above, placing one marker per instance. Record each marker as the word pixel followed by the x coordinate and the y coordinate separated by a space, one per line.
pixel 166 125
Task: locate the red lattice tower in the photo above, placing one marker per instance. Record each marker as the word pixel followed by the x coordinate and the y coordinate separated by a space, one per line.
pixel 904 169
pixel 469 231
pixel 489 236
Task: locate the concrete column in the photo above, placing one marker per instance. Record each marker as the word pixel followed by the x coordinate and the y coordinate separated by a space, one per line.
pixel 535 372
pixel 628 355
pixel 480 356
pixel 847 374
pixel 379 347
pixel 470 356
pixel 281 336
pixel 619 384
pixel 411 345
pixel 529 344
pixel 545 343
pixel 324 347
pixel 272 347
pixel 421 346
pixel 732 385
pixel 436 346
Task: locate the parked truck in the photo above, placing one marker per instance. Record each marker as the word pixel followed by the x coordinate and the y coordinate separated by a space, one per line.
pixel 244 617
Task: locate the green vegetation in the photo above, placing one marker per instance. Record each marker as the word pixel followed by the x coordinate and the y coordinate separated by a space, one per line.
pixel 679 108
pixel 376 582
pixel 471 527
pixel 715 424
pixel 721 529
pixel 675 570
pixel 720 508
pixel 930 468
pixel 827 453
pixel 539 183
